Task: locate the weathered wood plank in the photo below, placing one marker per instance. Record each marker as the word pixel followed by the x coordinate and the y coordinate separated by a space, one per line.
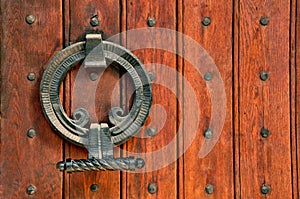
pixel 264 103
pixel 28 48
pixel 78 24
pixel 297 93
pixel 165 178
pixel 217 167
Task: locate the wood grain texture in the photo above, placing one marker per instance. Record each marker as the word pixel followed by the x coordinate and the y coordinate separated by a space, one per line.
pixel 77 24
pixel 297 92
pixel 28 48
pixel 217 167
pixel 264 103
pixel 137 183
pixel 293 100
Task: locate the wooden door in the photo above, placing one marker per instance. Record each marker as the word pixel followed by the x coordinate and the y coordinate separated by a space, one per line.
pixel 255 48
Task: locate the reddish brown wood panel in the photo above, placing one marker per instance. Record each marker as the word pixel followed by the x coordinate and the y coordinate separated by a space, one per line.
pixel 216 168
pixel 77 20
pixel 264 104
pixel 164 99
pixel 297 92
pixel 27 48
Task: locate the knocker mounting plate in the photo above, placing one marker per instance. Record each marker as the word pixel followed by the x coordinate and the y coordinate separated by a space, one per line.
pixel 99 138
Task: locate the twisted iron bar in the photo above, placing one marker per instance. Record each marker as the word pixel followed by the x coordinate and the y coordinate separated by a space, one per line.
pixel 82 165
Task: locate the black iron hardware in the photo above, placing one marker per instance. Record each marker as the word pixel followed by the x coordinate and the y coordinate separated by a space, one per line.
pixel 99 139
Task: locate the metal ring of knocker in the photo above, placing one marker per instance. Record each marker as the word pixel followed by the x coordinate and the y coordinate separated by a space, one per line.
pixel 98 138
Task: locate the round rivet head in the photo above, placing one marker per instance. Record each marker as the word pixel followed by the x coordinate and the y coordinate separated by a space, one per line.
pixel 151 132
pixel 31 189
pixel 208 76
pixel 30 19
pixel 152 188
pixel 93 76
pixel 31 76
pixel 139 163
pixel 265 189
pixel 208 133
pixel 151 75
pixel 94 187
pixel 31 133
pixel 264 75
pixel 206 21
pixel 94 21
pixel 264 21
pixel 151 21
pixel 209 189
pixel 264 133
pixel 60 166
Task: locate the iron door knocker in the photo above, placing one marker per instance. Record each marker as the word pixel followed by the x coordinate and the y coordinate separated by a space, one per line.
pixel 99 139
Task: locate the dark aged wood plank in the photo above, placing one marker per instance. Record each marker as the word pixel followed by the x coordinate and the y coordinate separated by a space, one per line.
pixel 165 178
pixel 217 167
pixel 28 48
pixel 78 24
pixel 264 103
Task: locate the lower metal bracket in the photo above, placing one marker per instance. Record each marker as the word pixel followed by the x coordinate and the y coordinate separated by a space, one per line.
pixel 101 155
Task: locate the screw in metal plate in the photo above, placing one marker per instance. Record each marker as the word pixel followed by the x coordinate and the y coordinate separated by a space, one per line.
pixel 139 163
pixel 31 133
pixel 94 187
pixel 265 189
pixel 94 21
pixel 93 76
pixel 208 76
pixel 206 21
pixel 151 132
pixel 151 21
pixel 31 76
pixel 264 75
pixel 264 133
pixel 209 189
pixel 31 189
pixel 208 133
pixel 152 188
pixel 264 20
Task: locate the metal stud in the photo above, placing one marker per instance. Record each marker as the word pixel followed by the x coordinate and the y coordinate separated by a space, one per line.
pixel 208 133
pixel 139 163
pixel 264 133
pixel 31 133
pixel 206 21
pixel 264 75
pixel 151 21
pixel 152 188
pixel 208 76
pixel 93 76
pixel 94 21
pixel 151 75
pixel 209 189
pixel 265 189
pixel 264 21
pixel 31 76
pixel 31 189
pixel 151 132
pixel 30 19
pixel 94 187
